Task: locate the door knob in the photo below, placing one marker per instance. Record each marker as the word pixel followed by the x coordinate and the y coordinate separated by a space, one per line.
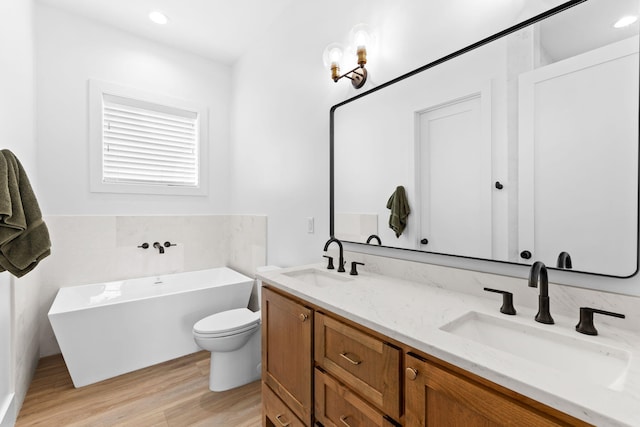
pixel 424 241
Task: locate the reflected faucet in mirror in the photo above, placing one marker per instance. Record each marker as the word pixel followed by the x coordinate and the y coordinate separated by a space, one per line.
pixel 341 259
pixel 564 260
pixel 374 237
pixel 538 273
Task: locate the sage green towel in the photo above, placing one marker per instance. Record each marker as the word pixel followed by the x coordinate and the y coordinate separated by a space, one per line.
pixel 24 237
pixel 399 206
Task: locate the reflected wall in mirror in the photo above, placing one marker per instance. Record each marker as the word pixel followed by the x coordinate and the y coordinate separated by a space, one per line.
pixel 514 151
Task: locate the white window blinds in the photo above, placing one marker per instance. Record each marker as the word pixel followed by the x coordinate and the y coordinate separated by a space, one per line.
pixel 150 144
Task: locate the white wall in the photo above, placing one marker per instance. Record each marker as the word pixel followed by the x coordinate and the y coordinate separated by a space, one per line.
pixel 70 50
pixel 18 312
pixel 280 163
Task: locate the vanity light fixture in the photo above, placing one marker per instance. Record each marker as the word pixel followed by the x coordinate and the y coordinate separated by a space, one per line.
pixel 625 21
pixel 158 17
pixel 360 38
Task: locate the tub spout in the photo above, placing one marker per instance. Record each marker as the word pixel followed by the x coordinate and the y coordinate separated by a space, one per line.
pixel 159 247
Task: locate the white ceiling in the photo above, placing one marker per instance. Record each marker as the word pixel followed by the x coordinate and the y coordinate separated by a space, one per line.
pixel 587 26
pixel 221 30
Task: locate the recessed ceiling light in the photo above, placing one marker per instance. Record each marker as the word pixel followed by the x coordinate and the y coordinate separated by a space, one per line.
pixel 625 21
pixel 158 17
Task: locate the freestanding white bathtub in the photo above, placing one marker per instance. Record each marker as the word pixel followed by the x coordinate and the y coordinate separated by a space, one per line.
pixel 108 329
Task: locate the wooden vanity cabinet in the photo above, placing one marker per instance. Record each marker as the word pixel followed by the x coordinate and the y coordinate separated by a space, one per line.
pixel 287 360
pixel 363 379
pixel 436 396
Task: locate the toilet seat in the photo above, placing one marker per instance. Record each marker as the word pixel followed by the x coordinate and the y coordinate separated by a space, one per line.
pixel 227 323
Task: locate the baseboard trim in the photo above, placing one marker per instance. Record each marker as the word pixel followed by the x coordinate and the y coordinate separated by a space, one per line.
pixel 8 411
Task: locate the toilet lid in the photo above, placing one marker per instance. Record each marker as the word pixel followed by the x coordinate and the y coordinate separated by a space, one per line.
pixel 227 321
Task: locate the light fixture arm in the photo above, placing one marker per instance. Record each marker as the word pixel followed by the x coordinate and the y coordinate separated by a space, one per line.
pixel 358 76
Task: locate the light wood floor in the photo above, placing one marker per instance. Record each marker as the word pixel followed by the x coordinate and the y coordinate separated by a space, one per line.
pixel 171 394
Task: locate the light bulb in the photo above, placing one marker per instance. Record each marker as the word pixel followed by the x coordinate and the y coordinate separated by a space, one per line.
pixel 335 55
pixel 360 36
pixel 360 39
pixel 332 55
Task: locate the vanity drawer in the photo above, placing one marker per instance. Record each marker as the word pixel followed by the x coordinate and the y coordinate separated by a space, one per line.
pixel 337 406
pixel 276 411
pixel 366 364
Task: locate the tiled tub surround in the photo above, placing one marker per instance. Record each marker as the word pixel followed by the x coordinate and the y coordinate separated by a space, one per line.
pixel 93 249
pixel 413 311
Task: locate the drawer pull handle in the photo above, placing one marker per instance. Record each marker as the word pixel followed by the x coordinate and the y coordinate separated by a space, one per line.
pixel 303 317
pixel 412 374
pixel 343 420
pixel 353 362
pixel 283 424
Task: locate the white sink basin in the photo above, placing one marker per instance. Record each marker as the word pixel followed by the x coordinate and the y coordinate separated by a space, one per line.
pixel 590 361
pixel 317 277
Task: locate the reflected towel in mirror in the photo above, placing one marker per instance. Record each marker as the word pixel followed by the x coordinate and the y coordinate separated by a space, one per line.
pixel 399 206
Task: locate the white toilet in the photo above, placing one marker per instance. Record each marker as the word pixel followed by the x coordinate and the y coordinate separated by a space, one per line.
pixel 234 340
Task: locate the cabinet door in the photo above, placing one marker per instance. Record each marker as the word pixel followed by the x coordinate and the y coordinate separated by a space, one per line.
pixel 437 397
pixel 286 352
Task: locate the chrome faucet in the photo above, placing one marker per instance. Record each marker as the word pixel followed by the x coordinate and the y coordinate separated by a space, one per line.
pixel 159 247
pixel 537 274
pixel 564 260
pixel 341 260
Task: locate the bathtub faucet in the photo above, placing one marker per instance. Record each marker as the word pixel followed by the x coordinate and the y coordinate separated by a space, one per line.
pixel 159 247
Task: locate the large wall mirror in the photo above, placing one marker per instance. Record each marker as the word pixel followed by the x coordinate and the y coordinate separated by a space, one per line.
pixel 516 149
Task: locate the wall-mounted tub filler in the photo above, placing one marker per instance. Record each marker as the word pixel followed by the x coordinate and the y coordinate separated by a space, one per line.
pixel 158 246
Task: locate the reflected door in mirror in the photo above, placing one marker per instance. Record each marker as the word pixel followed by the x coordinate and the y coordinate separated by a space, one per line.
pixel 579 159
pixel 454 177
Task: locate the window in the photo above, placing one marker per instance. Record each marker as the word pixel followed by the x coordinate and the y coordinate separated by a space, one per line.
pixel 145 143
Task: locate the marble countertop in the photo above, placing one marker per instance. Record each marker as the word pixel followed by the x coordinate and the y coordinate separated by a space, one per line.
pixel 413 313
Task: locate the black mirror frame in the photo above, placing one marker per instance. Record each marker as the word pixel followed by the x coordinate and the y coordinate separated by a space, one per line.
pixel 517 27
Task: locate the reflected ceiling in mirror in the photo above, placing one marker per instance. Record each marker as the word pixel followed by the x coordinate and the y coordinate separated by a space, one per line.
pixel 519 148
